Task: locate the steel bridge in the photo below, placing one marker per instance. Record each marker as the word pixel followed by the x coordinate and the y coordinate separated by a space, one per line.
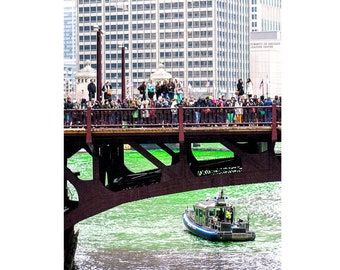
pixel 110 130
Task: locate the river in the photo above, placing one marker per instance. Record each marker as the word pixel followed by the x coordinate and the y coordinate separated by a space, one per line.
pixel 150 234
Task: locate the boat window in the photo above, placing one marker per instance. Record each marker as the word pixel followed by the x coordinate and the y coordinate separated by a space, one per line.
pixel 211 212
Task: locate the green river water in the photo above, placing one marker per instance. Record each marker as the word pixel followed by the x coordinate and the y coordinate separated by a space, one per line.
pixel 150 234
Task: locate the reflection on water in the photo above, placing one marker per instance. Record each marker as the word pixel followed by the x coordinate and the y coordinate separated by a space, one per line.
pixel 149 234
pixel 204 259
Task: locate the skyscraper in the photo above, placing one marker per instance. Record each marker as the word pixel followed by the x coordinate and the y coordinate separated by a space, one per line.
pixel 69 45
pixel 265 15
pixel 198 41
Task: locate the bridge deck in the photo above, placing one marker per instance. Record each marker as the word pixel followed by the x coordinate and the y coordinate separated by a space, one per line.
pixel 172 130
pixel 168 134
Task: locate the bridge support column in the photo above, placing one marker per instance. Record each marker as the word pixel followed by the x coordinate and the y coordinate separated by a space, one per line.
pixel 108 161
pixel 96 164
pixel 70 246
pixel 262 146
pixel 115 161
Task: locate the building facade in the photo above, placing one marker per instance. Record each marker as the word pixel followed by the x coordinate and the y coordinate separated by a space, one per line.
pixel 265 63
pixel 265 47
pixel 70 26
pixel 203 44
pixel 82 78
pixel 265 15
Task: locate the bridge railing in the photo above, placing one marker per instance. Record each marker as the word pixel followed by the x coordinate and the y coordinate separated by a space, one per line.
pixel 169 117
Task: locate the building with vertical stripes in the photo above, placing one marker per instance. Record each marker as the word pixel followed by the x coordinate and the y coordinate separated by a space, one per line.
pixel 203 43
pixel 70 23
pixel 265 15
pixel 265 47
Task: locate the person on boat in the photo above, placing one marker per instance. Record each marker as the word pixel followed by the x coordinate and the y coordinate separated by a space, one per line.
pixel 228 215
pixel 232 210
pixel 213 223
pixel 221 215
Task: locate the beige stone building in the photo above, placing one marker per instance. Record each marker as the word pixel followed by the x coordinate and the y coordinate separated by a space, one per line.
pixel 82 79
pixel 265 63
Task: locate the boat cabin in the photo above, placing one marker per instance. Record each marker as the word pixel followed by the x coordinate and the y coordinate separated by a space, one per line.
pixel 214 213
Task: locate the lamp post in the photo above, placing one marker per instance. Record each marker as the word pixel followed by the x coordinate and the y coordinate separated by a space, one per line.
pixel 123 71
pixel 99 62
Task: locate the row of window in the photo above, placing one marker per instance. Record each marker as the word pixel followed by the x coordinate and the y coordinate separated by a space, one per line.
pixel 175 64
pixel 166 6
pixel 152 45
pixel 231 17
pixel 170 45
pixel 233 7
pixel 232 34
pixel 117 8
pixel 200 73
pixel 230 25
pixel 149 16
pixel 119 18
pixel 167 55
pixel 152 36
pixel 172 5
pixel 143 26
pixel 93 9
pixel 274 3
pixel 270 25
pixel 200 34
pixel 143 7
pixel 232 48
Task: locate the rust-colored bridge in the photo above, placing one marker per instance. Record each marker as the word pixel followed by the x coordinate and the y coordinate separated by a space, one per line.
pixel 252 143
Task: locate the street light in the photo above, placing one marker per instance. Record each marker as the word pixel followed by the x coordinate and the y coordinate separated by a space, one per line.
pixel 123 71
pixel 99 61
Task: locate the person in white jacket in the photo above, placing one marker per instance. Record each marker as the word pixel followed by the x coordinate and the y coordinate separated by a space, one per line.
pixel 238 112
pixel 249 88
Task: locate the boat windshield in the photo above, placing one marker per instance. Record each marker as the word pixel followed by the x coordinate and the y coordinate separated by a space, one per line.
pixel 211 212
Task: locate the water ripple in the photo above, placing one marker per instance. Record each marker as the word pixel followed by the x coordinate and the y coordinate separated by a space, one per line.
pixel 150 234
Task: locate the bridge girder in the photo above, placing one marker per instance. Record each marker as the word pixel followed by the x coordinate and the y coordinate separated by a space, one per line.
pixel 95 197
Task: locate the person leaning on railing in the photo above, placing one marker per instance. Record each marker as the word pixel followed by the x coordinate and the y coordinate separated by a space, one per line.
pixel 268 115
pixel 68 105
pixel 256 113
pixel 238 112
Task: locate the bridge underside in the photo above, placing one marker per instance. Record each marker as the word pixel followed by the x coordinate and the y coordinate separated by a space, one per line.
pixel 254 161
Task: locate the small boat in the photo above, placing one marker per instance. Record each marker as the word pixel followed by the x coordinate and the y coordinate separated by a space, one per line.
pixel 213 219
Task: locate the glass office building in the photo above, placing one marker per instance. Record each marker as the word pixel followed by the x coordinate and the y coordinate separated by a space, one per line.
pixel 203 44
pixel 70 19
pixel 265 15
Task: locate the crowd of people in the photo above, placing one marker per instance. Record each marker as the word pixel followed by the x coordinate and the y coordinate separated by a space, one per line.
pixel 238 109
